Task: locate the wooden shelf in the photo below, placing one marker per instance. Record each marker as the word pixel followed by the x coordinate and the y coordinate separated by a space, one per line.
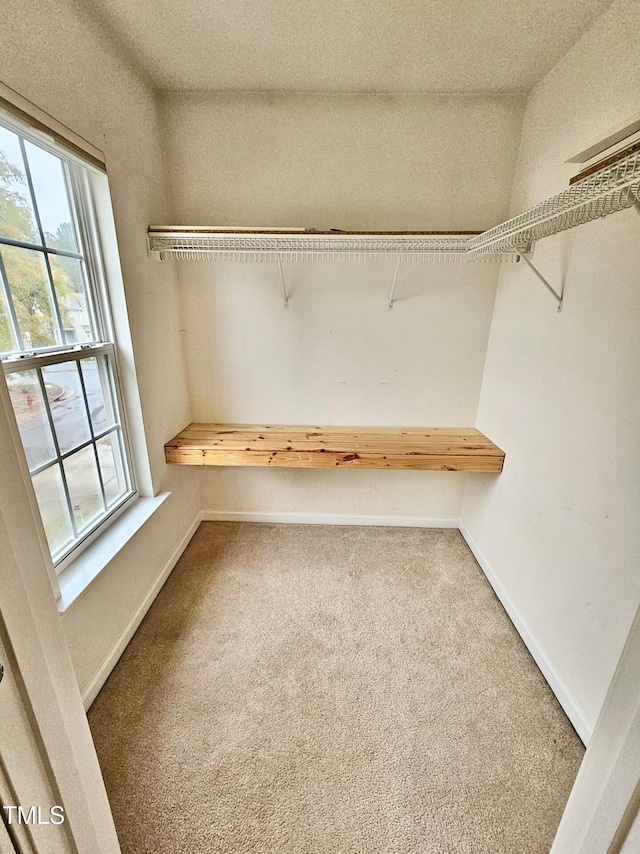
pixel 409 448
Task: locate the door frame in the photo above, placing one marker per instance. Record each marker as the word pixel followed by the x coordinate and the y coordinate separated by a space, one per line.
pixel 605 798
pixel 33 629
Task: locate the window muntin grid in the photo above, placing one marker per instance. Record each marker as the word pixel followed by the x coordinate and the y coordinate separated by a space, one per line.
pixel 62 375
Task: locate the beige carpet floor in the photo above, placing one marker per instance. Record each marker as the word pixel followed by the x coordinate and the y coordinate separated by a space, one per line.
pixel 331 690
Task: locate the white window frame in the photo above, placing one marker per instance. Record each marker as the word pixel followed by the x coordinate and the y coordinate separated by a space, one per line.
pixel 79 175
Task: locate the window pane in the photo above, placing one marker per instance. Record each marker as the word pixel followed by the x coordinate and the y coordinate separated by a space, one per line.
pixel 47 302
pixel 8 342
pixel 71 291
pixel 81 472
pixel 53 508
pixel 29 286
pixel 50 188
pixel 112 467
pixel 31 415
pixel 97 383
pixel 17 221
pixel 69 413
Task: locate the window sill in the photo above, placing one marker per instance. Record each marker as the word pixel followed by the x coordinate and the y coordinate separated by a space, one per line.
pixel 75 579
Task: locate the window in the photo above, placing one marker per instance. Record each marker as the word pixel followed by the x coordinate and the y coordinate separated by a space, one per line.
pixel 56 341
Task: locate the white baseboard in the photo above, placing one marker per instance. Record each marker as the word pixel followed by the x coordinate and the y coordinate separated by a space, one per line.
pixel 111 659
pixel 572 708
pixel 327 519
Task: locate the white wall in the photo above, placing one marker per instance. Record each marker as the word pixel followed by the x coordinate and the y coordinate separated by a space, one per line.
pixel 56 56
pixel 337 355
pixel 561 392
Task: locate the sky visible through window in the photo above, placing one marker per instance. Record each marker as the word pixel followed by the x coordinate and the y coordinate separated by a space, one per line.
pixel 52 195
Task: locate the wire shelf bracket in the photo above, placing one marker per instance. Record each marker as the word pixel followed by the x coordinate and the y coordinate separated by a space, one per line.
pixel 559 297
pixel 284 285
pixel 393 284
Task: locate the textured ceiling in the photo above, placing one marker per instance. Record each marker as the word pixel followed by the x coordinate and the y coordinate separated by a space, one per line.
pixel 347 45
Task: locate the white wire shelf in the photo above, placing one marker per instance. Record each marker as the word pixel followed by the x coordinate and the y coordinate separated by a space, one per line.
pixel 610 189
pixel 196 244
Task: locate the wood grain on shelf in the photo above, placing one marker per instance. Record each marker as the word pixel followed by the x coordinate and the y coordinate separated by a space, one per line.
pixel 409 448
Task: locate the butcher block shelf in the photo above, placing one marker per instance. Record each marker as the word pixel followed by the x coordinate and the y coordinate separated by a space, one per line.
pixel 277 446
